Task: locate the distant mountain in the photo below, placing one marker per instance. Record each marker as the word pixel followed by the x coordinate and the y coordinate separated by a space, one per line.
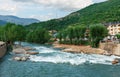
pixel 17 20
pixel 105 12
pixel 2 22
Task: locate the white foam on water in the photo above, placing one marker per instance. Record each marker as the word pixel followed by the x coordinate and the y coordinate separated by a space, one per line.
pixel 74 59
pixel 56 56
pixel 57 59
pixel 43 49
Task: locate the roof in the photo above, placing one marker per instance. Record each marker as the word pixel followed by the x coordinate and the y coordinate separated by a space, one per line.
pixel 111 23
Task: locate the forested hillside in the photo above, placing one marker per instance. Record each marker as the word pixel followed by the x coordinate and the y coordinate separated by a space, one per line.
pixel 104 12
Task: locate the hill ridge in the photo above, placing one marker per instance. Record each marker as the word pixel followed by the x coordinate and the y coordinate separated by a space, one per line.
pixel 103 12
pixel 18 20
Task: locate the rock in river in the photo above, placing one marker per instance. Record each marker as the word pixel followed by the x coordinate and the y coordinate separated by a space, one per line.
pixel 23 58
pixel 32 53
pixel 28 48
pixel 20 58
pixel 116 61
pixel 17 58
pixel 19 51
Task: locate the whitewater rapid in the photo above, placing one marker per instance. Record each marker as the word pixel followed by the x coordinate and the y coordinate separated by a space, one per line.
pixel 49 54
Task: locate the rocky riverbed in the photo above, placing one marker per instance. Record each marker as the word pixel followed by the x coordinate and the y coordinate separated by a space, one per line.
pixel 109 49
pixel 86 50
pixel 79 49
pixel 22 53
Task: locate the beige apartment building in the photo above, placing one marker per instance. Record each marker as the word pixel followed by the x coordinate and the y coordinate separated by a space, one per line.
pixel 113 28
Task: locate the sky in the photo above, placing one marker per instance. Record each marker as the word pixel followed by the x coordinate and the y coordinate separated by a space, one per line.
pixel 43 9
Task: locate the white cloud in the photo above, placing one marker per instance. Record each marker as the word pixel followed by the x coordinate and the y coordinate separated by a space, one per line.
pixel 65 5
pixel 8 6
pixel 41 9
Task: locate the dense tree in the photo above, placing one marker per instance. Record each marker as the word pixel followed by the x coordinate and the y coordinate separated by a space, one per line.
pixel 19 33
pixel 60 36
pixel 118 37
pixel 38 36
pixel 11 32
pixel 97 33
pixel 72 35
pixel 1 33
pixel 80 33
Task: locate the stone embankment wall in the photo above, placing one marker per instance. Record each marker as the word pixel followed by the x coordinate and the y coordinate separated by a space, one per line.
pixel 111 48
pixel 2 50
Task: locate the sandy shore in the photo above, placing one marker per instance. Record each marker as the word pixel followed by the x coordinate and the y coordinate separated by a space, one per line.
pixel 79 49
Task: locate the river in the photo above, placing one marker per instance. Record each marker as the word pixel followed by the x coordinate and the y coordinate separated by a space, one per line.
pixel 52 62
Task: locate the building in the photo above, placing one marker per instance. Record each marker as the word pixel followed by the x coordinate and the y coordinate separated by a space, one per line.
pixel 113 28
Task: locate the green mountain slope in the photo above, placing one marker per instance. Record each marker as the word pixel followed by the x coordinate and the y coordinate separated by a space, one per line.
pixel 104 12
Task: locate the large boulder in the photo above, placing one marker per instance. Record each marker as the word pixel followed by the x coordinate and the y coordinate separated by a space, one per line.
pixel 116 61
pixel 17 58
pixel 23 58
pixel 19 51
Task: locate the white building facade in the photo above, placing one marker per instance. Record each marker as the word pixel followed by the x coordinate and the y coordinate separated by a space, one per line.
pixel 113 29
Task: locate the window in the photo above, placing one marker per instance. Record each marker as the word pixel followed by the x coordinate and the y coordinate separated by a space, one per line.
pixel 111 32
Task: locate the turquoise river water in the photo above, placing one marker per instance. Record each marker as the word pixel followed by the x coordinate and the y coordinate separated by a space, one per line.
pixel 52 62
